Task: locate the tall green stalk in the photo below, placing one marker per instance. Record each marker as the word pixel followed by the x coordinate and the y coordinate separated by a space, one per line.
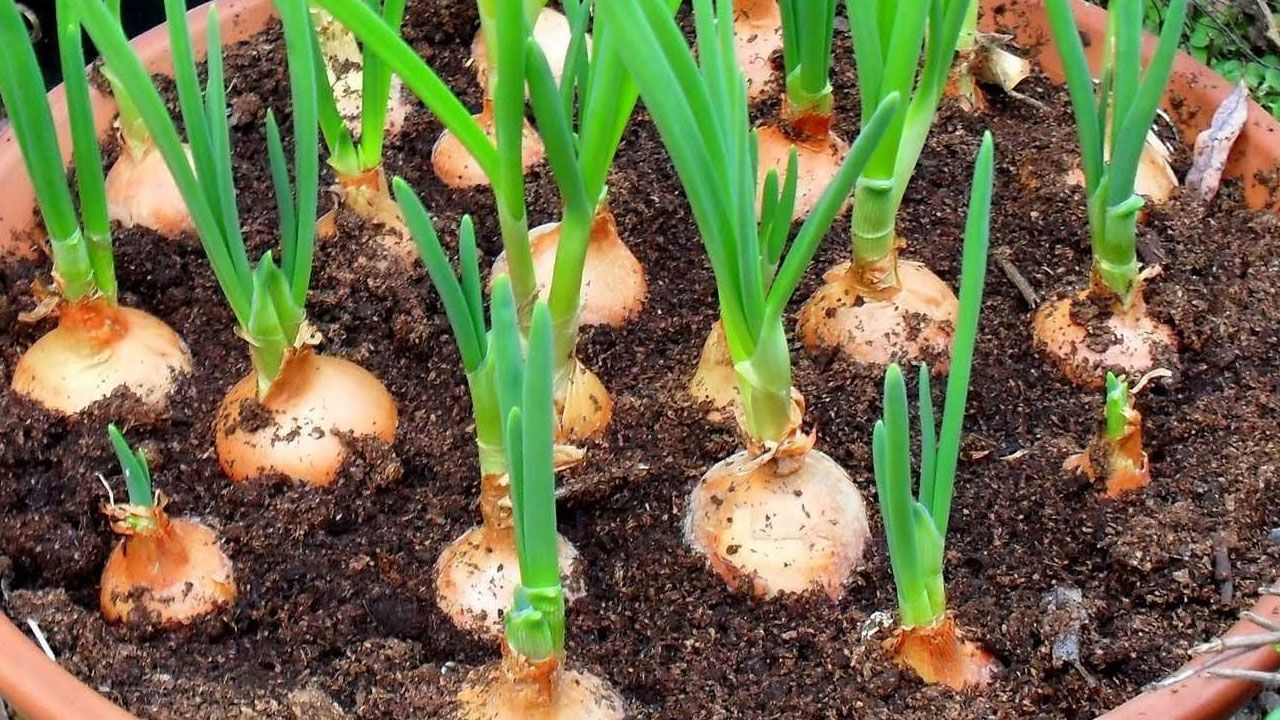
pixel 808 27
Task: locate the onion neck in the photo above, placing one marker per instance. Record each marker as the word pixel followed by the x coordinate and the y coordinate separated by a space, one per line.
pixel 533 684
pixel 875 212
pixel 764 385
pixel 1113 231
pixel 97 319
pixel 808 114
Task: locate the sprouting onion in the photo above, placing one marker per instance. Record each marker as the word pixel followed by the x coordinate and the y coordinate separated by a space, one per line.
pixel 528 682
pixel 98 345
pixel 916 523
pixel 583 404
pixel 808 525
pixel 1120 114
pixel 325 395
pixel 477 573
pixel 808 103
pixel 1117 452
pixel 164 572
pixel 876 309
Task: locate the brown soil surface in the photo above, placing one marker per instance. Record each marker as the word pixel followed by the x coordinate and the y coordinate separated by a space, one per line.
pixel 337 615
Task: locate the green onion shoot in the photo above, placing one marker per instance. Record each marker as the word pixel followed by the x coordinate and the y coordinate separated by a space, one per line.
pixel 808 103
pixel 531 680
pixel 1112 124
pixel 1117 452
pixel 164 572
pixel 877 309
pixel 558 35
pixel 809 526
pixel 478 572
pixel 98 346
pixel 356 155
pixel 313 400
pixel 928 641
pixel 583 405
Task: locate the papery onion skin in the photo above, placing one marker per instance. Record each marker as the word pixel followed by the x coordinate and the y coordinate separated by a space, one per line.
pixel 940 655
pixel 517 689
pixel 1137 342
pixel 455 167
pixel 142 192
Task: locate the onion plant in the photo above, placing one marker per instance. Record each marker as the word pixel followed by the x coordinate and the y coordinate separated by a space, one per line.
pixel 808 524
pixel 583 405
pixel 356 158
pixel 1112 124
pixel 478 572
pixel 164 572
pixel 312 400
pixel 98 346
pixel 876 309
pixel 808 102
pixel 528 683
pixel 1117 452
pixel 916 523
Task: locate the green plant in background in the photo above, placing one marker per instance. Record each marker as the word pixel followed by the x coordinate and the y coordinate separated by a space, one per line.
pixel 98 345
pixel 1223 36
pixel 916 523
pixel 874 308
pixel 1112 124
pixel 700 108
pixel 268 299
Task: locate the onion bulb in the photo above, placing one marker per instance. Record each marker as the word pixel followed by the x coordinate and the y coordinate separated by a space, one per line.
pixel 97 348
pixel 301 428
pixel 519 689
pixel 940 655
pixel 344 67
pixel 818 158
pixel 784 520
pixel 456 168
pixel 897 311
pixel 614 288
pixel 714 382
pixel 583 406
pixel 1155 179
pixel 1085 346
pixel 164 572
pixel 553 34
pixel 368 196
pixel 478 573
pixel 140 191
pixel 757 32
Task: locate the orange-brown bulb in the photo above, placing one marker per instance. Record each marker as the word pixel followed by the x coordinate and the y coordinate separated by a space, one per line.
pixel 1125 341
pixel 301 428
pixel 517 689
pixel 818 159
pixel 757 32
pixel 140 191
pixel 940 655
pixel 456 168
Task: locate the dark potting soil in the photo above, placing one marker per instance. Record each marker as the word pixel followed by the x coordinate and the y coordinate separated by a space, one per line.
pixel 337 617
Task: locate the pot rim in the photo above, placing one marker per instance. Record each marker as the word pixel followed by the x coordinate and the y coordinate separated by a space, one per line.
pixel 41 689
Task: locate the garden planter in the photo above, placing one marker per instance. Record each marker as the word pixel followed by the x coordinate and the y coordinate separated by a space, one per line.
pixel 40 689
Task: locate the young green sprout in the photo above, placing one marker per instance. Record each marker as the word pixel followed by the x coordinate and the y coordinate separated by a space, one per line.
pixel 929 642
pixel 357 159
pixel 475 575
pixel 757 35
pixel 1121 112
pixel 501 118
pixel 779 515
pixel 582 265
pixel 876 309
pixel 98 346
pixel 304 405
pixel 808 104
pixel 164 572
pixel 531 681
pixel 1118 445
pixel 140 190
pixel 583 406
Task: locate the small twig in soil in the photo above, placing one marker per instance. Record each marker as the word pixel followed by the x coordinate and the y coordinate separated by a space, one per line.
pixel 1222 569
pixel 1257 676
pixel 40 638
pixel 1182 675
pixel 1019 281
pixel 1250 642
pixel 1265 623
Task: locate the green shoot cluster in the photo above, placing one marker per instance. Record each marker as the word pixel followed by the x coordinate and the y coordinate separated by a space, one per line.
pixel 916 526
pixel 1117 407
pixel 808 27
pixel 137 474
pixel 268 300
pixel 349 156
pixel 889 37
pixel 81 245
pixel 700 108
pixel 1118 115
pixel 535 623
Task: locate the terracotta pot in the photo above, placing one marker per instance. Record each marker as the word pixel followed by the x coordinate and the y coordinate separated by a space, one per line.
pixel 41 690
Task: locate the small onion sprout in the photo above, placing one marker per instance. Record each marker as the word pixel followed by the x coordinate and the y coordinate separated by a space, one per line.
pixel 808 104
pixel 779 516
pixel 477 573
pixel 1121 111
pixel 1117 452
pixel 165 572
pixel 291 415
pixel 877 309
pixel 98 346
pixel 929 641
pixel 531 680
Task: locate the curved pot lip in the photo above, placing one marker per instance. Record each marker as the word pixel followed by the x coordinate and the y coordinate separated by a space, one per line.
pixel 42 690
